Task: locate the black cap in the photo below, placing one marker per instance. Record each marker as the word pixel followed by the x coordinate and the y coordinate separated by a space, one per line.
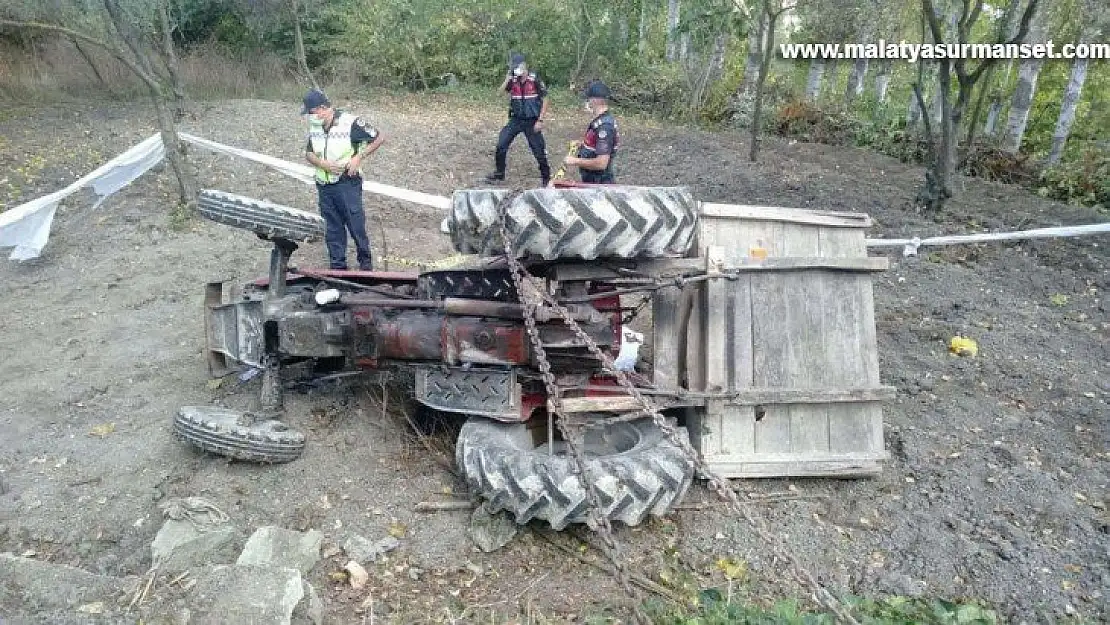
pixel 516 60
pixel 597 89
pixel 312 99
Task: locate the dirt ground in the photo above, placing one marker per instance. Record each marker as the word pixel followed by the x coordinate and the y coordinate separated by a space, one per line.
pixel 996 489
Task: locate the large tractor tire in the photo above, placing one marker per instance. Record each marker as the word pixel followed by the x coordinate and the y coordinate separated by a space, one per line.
pixel 637 471
pixel 228 433
pixel 608 221
pixel 266 219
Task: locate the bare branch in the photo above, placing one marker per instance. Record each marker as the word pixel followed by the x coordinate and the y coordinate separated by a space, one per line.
pixel 114 51
pixel 1026 18
pixel 974 16
pixel 930 15
pixel 924 115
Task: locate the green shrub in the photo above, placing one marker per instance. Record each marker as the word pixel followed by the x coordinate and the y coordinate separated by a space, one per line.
pixel 1085 180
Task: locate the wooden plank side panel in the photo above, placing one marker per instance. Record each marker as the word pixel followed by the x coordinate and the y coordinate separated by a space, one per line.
pixel 855 427
pixel 737 212
pixel 798 241
pixel 854 363
pixel 842 242
pixel 665 321
pixel 695 336
pixel 775 355
pixel 809 422
pixel 705 427
pixel 737 238
pixel 717 359
pixel 816 466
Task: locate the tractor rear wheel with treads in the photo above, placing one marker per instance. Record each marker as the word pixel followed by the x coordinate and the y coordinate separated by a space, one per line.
pixel 637 471
pixel 608 221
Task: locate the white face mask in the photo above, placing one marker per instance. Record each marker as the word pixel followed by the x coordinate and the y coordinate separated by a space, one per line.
pixel 315 120
pixel 589 109
pixel 518 70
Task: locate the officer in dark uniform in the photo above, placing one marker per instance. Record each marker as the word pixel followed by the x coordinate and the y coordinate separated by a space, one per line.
pixel 337 143
pixel 527 111
pixel 594 158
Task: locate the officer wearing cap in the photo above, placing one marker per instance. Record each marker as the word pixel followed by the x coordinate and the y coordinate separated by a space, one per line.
pixel 594 158
pixel 527 111
pixel 338 142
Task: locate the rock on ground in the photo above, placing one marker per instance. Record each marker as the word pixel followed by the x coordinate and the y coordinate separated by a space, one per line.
pixel 275 546
pixel 259 595
pixel 39 587
pixel 491 532
pixel 180 546
pixel 363 550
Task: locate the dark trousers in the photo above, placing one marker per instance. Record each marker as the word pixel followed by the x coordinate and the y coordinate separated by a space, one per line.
pixel 516 126
pixel 341 208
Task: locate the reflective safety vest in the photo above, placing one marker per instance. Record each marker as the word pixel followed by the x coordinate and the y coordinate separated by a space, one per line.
pixel 334 145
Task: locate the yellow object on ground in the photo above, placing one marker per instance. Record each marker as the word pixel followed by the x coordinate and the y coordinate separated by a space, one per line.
pixel 963 346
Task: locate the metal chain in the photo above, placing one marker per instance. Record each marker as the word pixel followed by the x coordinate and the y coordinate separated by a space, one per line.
pixel 572 436
pixel 716 482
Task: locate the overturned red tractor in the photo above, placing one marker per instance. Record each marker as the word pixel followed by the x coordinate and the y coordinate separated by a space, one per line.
pixel 516 341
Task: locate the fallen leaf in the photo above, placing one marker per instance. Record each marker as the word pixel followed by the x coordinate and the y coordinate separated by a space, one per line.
pixel 339 576
pixel 397 530
pixel 215 384
pixel 103 429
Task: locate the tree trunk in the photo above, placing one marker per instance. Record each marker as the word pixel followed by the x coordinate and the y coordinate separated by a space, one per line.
pixel 973 123
pixel 882 81
pixel 1026 88
pixel 643 42
pixel 858 73
pixel 92 65
pixel 943 167
pixel 990 127
pixel 755 53
pixel 813 81
pixel 1020 105
pixel 170 55
pixel 1067 109
pixel 764 69
pixel 856 79
pixel 298 42
pixel 175 149
pixel 915 113
pixel 623 31
pixel 672 28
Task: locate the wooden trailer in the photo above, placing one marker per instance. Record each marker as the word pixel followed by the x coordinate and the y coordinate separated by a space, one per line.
pixel 779 364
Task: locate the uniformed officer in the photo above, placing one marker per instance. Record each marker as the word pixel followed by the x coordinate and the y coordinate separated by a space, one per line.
pixel 338 142
pixel 594 158
pixel 527 111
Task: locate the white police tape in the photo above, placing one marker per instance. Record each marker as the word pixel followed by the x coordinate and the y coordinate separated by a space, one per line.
pixel 910 246
pixel 304 173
